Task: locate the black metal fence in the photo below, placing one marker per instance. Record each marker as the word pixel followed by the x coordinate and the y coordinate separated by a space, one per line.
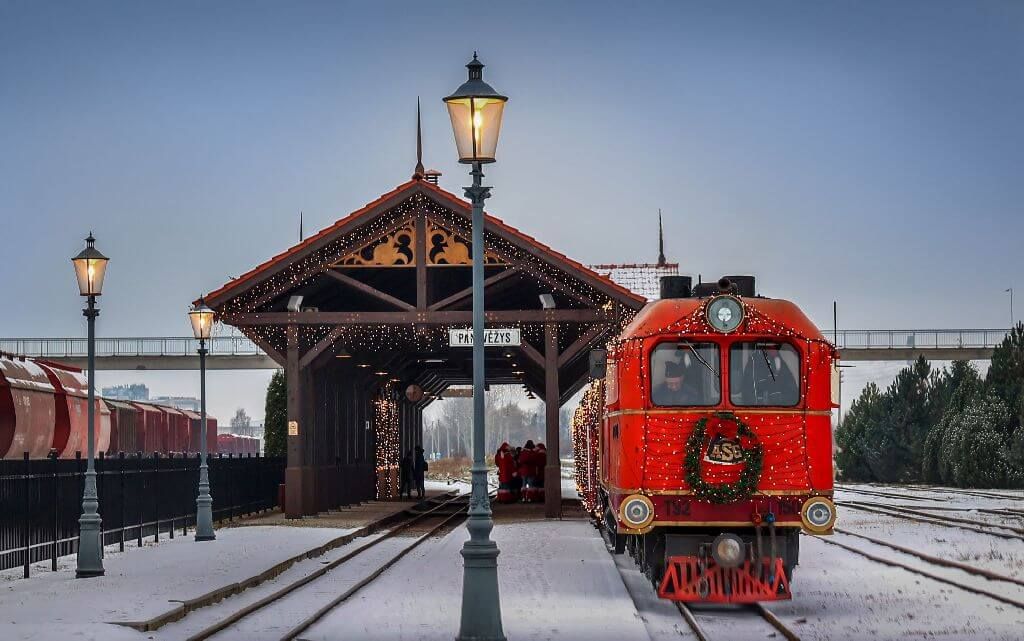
pixel 140 496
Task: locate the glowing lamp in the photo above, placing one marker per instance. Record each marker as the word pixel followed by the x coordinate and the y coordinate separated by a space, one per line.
pixel 90 267
pixel 475 109
pixel 201 318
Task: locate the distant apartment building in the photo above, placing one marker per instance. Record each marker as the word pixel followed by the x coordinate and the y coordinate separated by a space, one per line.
pixel 181 402
pixel 133 392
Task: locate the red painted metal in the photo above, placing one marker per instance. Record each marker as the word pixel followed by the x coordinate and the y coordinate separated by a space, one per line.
pixel 683 582
pixel 642 447
pixel 126 434
pixel 178 429
pixel 154 427
pixel 71 426
pixel 27 409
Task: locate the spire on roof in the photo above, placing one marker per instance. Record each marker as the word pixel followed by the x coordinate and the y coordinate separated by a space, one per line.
pixel 419 172
pixel 661 241
pixel 301 235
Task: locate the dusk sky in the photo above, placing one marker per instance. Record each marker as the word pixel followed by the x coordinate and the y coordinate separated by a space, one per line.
pixel 869 152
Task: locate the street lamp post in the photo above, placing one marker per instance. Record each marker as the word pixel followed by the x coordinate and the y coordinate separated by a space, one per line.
pixel 202 318
pixel 90 268
pixel 475 110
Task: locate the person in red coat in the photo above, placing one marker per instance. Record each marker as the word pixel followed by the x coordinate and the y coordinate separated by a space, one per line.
pixel 507 473
pixel 540 459
pixel 528 470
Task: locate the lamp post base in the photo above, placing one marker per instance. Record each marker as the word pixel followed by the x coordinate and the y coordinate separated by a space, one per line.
pixel 481 605
pixel 90 548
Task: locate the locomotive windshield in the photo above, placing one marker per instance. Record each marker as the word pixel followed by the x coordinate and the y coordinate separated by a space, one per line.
pixel 764 373
pixel 685 373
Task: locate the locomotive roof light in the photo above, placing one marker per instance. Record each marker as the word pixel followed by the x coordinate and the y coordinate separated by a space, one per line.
pixel 818 514
pixel 725 313
pixel 637 511
pixel 727 550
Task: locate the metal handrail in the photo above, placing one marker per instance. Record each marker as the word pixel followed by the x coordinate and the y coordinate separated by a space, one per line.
pixel 236 345
pixel 916 338
pixel 128 346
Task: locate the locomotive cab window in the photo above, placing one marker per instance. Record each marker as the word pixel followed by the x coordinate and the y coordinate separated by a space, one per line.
pixel 685 374
pixel 764 374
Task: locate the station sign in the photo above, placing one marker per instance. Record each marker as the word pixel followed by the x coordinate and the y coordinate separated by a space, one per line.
pixel 496 337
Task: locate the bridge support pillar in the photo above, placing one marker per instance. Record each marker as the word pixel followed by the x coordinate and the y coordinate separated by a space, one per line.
pixel 553 466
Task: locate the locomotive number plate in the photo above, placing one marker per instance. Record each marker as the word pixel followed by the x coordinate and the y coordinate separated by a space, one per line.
pixel 724 451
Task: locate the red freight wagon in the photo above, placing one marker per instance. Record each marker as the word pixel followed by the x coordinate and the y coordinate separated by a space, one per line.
pixel 72 417
pixel 211 434
pixel 154 427
pixel 226 443
pixel 27 409
pixel 126 434
pixel 177 429
pixel 195 422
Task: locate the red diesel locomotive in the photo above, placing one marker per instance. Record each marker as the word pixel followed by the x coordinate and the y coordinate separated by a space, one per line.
pixel 705 445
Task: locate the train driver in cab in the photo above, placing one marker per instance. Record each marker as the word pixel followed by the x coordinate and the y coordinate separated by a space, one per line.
pixel 674 388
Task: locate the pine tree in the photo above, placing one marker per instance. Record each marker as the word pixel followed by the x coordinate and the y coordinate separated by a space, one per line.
pixel 974 445
pixel 907 422
pixel 854 433
pixel 276 417
pixel 952 390
pixel 1005 375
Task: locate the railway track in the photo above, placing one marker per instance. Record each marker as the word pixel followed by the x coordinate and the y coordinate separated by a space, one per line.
pixel 660 616
pixel 764 613
pixel 933 562
pixel 920 516
pixel 279 605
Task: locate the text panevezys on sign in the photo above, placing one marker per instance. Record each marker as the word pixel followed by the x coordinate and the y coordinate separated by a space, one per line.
pixel 497 337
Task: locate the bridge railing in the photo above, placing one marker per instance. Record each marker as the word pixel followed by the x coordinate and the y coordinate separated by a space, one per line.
pixel 157 346
pixel 235 345
pixel 916 338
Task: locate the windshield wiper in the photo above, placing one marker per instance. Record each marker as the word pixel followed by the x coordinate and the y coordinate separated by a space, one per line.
pixel 767 363
pixel 704 363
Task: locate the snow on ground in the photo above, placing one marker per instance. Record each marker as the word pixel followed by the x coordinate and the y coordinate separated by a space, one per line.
pixel 556 579
pixel 140 583
pixel 556 582
pixel 994 553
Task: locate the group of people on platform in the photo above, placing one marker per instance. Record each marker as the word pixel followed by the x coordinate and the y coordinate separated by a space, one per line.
pixel 411 470
pixel 521 472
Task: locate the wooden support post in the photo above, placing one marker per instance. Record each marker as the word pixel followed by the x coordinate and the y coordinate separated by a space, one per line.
pixel 422 295
pixel 293 472
pixel 552 469
pixel 311 480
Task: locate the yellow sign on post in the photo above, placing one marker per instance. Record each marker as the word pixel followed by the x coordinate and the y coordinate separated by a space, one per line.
pixel 293 428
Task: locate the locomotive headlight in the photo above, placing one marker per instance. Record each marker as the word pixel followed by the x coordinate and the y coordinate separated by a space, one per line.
pixel 637 511
pixel 727 550
pixel 818 514
pixel 725 313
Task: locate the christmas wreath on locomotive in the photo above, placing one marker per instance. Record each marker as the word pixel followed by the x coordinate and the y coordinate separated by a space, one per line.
pixel 704 445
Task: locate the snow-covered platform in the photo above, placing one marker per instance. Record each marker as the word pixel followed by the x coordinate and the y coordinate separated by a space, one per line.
pixel 557 580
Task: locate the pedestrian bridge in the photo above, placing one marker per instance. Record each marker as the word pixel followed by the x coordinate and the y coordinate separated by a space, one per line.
pixel 238 352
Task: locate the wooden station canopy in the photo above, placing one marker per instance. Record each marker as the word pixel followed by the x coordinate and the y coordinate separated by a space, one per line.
pixel 379 291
